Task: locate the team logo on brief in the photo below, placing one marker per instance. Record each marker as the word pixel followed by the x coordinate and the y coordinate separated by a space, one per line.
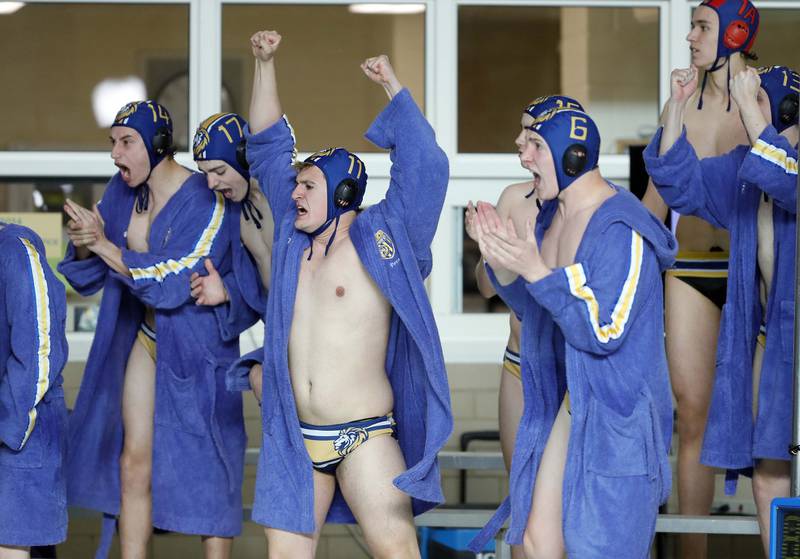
pixel 385 245
pixel 348 440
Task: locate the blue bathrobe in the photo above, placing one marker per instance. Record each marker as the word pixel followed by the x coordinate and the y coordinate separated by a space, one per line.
pixel 725 191
pixel 247 296
pixel 33 417
pixel 199 438
pixel 392 240
pixel 607 307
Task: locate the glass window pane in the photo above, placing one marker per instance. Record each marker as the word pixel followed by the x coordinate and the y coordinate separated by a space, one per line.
pixel 778 42
pixel 38 205
pixel 508 56
pixel 55 57
pixel 325 94
pixel 472 300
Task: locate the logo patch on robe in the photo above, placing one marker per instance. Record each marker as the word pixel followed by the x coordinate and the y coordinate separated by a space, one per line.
pixel 385 245
pixel 349 439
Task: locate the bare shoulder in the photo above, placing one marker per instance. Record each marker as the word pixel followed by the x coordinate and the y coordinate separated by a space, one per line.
pixel 517 203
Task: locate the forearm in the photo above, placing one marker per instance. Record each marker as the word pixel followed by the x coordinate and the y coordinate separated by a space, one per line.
pixel 265 105
pixel 111 254
pixel 485 287
pixel 82 253
pixel 753 120
pixel 672 122
pixel 653 201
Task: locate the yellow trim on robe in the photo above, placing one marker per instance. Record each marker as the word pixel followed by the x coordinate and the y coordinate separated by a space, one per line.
pixel 42 301
pixel 577 286
pixel 775 155
pixel 161 270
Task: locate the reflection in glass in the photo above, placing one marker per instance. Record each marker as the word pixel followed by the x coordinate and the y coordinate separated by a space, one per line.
pixel 323 90
pixel 508 56
pixel 54 55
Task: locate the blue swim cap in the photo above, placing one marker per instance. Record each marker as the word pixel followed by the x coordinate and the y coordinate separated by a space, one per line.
pixel 346 176
pixel 154 125
pixel 221 137
pixel 738 26
pixel 574 141
pixel 543 104
pixel 782 85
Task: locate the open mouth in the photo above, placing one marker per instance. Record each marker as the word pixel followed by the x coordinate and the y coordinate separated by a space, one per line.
pixel 301 211
pixel 226 192
pixel 125 172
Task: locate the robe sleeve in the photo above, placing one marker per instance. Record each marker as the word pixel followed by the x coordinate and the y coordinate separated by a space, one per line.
pixel 419 172
pixel 87 276
pixel 237 378
pixel 771 165
pixel 160 278
pixel 34 342
pixel 705 188
pixel 596 301
pixel 271 154
pixel 514 294
pixel 236 316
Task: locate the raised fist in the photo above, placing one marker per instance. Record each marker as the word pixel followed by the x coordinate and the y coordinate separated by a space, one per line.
pixel 379 70
pixel 683 83
pixel 264 44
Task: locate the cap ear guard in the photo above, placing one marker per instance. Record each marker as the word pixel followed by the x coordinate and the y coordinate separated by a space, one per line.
pixel 788 109
pixel 574 160
pixel 162 141
pixel 241 154
pixel 346 193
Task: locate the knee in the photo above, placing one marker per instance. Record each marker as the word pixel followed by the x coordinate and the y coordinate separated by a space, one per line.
pixel 395 546
pixel 769 485
pixel 135 470
pixel 692 415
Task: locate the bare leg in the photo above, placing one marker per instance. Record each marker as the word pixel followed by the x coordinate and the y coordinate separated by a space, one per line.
pixel 382 510
pixel 255 380
pixel 217 548
pixel 544 538
pixel 692 328
pixel 291 545
pixel 136 462
pixel 511 401
pixel 13 552
pixel 771 478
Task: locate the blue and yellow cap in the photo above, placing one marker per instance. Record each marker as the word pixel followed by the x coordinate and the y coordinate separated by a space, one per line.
pixel 153 123
pixel 574 141
pixel 738 25
pixel 540 105
pixel 346 176
pixel 221 137
pixel 782 85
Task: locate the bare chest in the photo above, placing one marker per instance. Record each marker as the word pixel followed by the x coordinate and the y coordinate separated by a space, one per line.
pixel 561 242
pixel 258 242
pixel 335 286
pixel 713 133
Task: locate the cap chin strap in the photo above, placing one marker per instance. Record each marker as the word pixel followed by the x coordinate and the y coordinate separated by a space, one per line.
pixel 249 210
pixel 319 230
pixel 717 65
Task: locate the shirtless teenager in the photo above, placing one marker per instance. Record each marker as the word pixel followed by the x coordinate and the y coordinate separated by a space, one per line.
pixel 592 277
pixel 722 34
pixel 220 150
pixel 356 401
pixel 751 191
pixel 155 438
pixel 517 203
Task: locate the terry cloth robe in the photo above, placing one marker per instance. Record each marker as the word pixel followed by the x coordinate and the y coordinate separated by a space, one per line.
pixel 247 296
pixel 33 417
pixel 608 308
pixel 726 191
pixel 392 240
pixel 199 438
